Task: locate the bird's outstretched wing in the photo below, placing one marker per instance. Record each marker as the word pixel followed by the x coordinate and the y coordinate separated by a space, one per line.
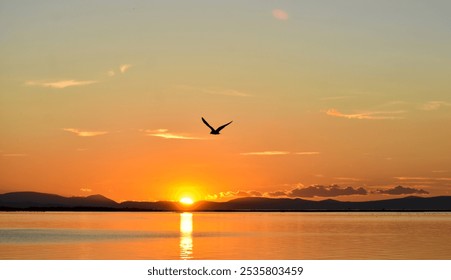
pixel 207 124
pixel 222 126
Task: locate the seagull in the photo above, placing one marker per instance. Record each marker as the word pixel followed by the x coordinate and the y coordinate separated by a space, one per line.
pixel 217 130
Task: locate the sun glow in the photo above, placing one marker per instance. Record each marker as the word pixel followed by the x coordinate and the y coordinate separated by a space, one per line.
pixel 186 200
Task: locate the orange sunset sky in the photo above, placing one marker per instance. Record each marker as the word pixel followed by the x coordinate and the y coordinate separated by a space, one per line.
pixel 349 100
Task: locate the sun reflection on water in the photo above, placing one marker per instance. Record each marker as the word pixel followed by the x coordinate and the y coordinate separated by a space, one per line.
pixel 186 238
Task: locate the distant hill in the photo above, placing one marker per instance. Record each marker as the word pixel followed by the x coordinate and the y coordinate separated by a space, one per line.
pixel 440 203
pixel 150 206
pixel 22 200
pixel 52 202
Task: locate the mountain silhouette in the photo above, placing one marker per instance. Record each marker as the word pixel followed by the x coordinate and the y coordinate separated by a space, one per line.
pixel 36 199
pixel 53 202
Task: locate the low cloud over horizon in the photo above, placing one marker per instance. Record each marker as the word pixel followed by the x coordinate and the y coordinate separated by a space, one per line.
pixel 319 191
pixel 325 191
pixel 398 190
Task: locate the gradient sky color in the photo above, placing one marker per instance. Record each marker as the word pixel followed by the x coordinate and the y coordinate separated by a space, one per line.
pixel 329 99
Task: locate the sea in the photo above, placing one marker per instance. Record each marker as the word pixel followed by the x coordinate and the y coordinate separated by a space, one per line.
pixel 225 236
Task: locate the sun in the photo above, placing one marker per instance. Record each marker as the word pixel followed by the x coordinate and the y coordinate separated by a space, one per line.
pixel 186 200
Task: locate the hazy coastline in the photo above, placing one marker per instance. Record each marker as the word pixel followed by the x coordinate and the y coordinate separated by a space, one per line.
pixel 33 201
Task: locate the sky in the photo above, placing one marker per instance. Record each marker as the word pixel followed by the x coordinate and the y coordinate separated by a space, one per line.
pixel 349 100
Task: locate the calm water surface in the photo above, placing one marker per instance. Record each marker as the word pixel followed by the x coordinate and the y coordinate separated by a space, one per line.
pixel 224 235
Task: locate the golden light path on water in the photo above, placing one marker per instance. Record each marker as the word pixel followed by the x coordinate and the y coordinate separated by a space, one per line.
pixel 186 238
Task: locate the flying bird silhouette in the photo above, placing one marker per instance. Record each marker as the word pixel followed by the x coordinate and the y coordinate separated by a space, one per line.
pixel 217 130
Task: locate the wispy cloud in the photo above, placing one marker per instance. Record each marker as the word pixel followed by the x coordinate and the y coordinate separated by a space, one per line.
pixel 435 105
pixel 60 84
pixel 266 153
pixel 412 178
pixel 374 115
pixel 215 91
pixel 307 153
pixel 15 155
pixel 349 179
pixel 336 97
pixel 394 103
pixel 228 92
pixel 277 153
pixel 279 14
pixel 124 67
pixel 423 178
pixel 82 133
pixel 164 133
pixel 85 190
